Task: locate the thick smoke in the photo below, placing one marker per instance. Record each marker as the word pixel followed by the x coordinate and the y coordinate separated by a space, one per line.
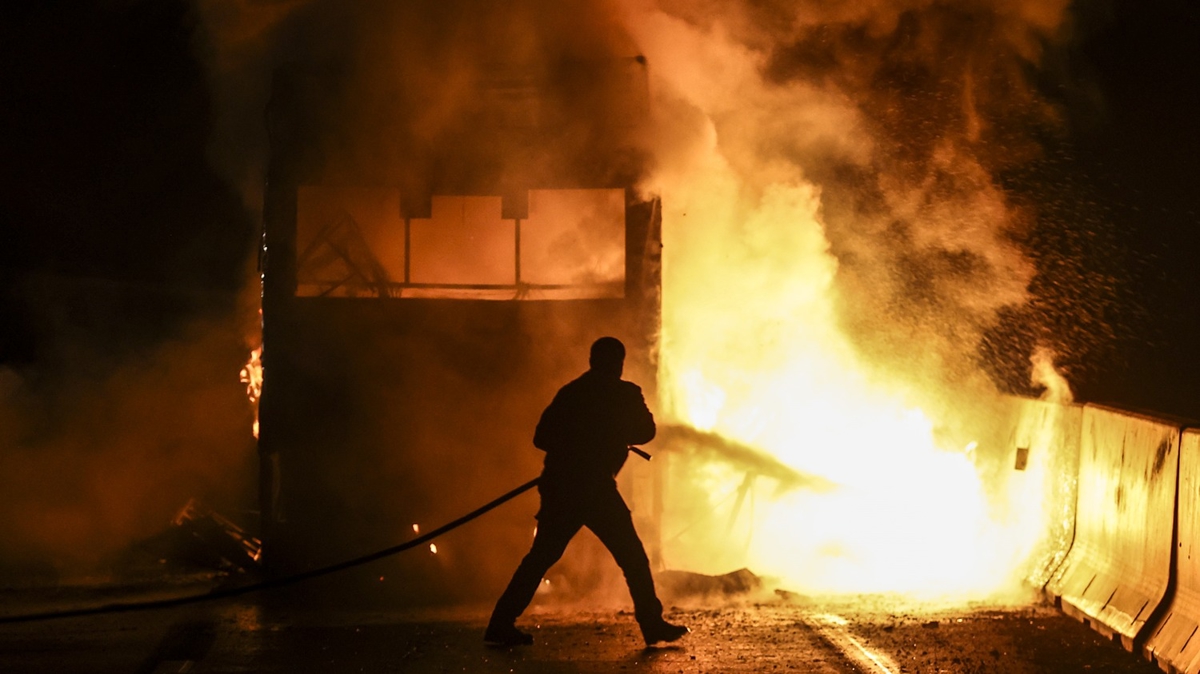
pixel 101 451
pixel 903 117
pixel 434 79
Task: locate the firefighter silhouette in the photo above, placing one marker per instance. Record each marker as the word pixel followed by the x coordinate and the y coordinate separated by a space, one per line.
pixel 586 433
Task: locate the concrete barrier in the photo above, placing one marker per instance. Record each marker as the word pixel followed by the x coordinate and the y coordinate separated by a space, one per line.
pixel 1175 643
pixel 1119 567
pixel 1043 467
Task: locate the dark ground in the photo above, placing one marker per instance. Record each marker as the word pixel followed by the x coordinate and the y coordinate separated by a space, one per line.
pixel 837 635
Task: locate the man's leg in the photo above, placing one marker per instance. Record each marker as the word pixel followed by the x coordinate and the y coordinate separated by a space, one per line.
pixel 613 525
pixel 553 535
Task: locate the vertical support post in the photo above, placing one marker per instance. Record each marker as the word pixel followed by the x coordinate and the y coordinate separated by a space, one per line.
pixel 407 251
pixel 517 247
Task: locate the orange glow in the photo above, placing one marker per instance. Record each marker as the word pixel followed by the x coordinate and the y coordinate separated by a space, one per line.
pixel 464 241
pixel 575 237
pixel 252 377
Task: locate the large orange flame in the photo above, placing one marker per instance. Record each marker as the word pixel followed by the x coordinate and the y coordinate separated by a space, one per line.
pixel 752 350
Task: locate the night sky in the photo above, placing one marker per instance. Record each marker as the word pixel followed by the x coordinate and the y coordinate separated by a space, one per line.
pixel 1133 161
pixel 117 232
pixel 109 197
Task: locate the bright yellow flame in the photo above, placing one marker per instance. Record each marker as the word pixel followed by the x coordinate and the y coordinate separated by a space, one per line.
pixel 907 516
pixel 752 349
pixel 752 352
pixel 760 361
pixel 433 548
pixel 416 528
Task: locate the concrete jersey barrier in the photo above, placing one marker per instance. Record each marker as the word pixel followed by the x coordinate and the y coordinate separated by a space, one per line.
pixel 1043 455
pixel 1119 567
pixel 1175 643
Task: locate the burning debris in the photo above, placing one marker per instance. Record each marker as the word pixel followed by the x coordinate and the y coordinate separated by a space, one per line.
pixel 199 538
pixel 688 586
pixel 709 446
pixel 226 541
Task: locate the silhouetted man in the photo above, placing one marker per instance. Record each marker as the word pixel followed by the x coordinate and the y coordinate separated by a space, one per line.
pixel 586 433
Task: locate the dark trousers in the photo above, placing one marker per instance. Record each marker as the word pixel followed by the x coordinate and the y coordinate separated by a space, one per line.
pixel 560 518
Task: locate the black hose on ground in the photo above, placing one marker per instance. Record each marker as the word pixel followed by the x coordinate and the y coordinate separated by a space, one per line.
pixel 127 607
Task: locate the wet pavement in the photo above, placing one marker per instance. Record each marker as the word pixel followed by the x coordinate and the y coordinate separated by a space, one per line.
pixel 839 635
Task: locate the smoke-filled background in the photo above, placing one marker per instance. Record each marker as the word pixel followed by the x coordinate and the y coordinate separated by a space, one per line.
pixel 960 185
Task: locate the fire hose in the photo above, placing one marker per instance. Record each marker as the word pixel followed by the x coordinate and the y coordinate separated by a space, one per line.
pixel 275 583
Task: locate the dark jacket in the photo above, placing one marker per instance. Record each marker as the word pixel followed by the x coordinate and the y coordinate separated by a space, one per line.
pixel 587 429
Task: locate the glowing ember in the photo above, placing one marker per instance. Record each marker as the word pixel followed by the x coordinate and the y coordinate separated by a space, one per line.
pixel 252 377
pixel 433 548
pixel 416 528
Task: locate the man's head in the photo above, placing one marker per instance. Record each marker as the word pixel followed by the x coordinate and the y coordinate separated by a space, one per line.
pixel 608 356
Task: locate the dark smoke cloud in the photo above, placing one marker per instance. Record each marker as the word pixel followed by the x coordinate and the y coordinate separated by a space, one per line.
pixel 100 452
pixel 122 331
pixel 434 76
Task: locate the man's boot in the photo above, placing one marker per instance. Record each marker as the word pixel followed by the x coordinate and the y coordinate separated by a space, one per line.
pixel 661 631
pixel 506 635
